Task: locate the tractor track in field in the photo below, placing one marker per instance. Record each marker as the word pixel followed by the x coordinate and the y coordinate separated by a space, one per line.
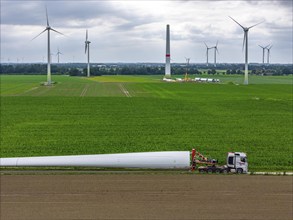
pixel 124 90
pixel 146 196
pixel 82 94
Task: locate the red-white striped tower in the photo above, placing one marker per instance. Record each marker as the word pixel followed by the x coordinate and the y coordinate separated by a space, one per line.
pixel 168 57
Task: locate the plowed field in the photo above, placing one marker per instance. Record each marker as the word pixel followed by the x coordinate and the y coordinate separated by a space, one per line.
pixel 146 196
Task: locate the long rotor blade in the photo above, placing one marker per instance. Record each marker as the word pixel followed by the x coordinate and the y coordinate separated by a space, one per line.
pixel 47 17
pixel 217 43
pixel 255 25
pixel 270 47
pixel 236 22
pixel 56 31
pixel 244 39
pixel 86 36
pixel 39 34
pixel 206 44
pixel 85 48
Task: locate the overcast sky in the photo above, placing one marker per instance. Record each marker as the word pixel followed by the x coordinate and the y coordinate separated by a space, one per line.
pixel 135 31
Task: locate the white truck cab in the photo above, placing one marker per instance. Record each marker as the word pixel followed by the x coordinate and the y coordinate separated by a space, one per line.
pixel 237 162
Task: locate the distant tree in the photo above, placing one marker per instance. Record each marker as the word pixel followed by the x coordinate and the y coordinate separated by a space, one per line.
pixel 74 72
pixel 287 71
pixel 239 72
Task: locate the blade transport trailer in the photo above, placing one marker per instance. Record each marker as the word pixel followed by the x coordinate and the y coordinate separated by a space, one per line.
pixel 236 163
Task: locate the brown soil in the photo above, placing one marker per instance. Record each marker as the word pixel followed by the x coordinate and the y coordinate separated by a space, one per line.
pixel 147 196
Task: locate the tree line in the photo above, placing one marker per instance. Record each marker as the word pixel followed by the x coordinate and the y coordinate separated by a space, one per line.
pixel 141 69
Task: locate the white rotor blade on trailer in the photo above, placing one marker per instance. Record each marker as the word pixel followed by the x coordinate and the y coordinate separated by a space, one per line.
pixel 145 160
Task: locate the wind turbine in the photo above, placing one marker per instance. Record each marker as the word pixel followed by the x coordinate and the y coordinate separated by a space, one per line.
pixel 87 49
pixel 58 53
pixel 268 58
pixel 168 56
pixel 215 54
pixel 48 28
pixel 207 53
pixel 263 53
pixel 187 65
pixel 245 41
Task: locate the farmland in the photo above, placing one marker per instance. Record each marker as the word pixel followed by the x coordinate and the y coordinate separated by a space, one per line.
pixel 112 114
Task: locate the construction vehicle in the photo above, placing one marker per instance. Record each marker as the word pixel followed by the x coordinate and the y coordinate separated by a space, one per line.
pixel 236 163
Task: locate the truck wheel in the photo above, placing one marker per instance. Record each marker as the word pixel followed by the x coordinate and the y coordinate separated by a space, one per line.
pixel 239 171
pixel 202 171
pixel 218 171
pixel 225 171
pixel 210 171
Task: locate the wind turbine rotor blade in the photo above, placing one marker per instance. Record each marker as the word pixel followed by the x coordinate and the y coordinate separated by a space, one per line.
pixel 85 49
pixel 236 22
pixel 255 25
pixel 244 39
pixel 47 17
pixel 217 43
pixel 57 31
pixel 205 44
pixel 86 36
pixel 270 47
pixel 39 34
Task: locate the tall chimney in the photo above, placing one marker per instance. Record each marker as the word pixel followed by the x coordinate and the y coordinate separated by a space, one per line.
pixel 167 65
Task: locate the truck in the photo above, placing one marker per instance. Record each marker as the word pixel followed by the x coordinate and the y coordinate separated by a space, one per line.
pixel 236 162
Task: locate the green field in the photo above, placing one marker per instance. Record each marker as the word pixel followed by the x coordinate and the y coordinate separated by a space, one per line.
pixel 113 114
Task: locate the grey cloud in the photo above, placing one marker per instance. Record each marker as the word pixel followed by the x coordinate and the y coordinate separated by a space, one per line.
pixel 284 3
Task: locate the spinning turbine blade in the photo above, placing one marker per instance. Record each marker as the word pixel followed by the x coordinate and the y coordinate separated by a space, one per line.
pixel 47 18
pixel 86 36
pixel 244 40
pixel 236 22
pixel 39 34
pixel 57 31
pixel 255 25
pixel 85 49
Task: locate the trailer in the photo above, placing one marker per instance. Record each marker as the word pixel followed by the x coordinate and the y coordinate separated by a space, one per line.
pixel 236 163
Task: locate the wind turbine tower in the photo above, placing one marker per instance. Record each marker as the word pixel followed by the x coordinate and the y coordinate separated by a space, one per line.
pixel 215 54
pixel 48 29
pixel 58 53
pixel 87 50
pixel 168 57
pixel 245 42
pixel 268 58
pixel 263 53
pixel 187 65
pixel 207 53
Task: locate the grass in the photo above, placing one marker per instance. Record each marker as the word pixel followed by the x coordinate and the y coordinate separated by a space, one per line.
pixel 81 116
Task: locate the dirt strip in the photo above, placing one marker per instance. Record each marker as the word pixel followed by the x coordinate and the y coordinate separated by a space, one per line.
pixel 146 196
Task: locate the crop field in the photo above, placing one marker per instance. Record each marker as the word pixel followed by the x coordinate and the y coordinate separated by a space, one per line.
pixel 113 114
